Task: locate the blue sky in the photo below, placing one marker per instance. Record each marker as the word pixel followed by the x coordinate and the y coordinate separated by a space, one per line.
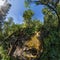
pixel 17 9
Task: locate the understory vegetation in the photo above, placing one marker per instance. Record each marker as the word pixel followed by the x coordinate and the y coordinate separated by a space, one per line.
pixel 33 39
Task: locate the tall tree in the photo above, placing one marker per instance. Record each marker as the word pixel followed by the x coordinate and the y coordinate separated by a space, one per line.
pixel 50 35
pixel 28 16
pixel 51 4
pixel 50 18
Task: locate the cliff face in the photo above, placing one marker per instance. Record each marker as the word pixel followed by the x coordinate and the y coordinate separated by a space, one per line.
pixel 31 48
pixel 25 46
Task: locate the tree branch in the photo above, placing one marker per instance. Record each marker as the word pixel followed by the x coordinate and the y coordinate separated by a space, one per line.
pixel 51 7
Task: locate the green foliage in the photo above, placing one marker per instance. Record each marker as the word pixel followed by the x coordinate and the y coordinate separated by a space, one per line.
pixel 51 45
pixel 28 22
pixel 8 28
pixel 36 25
pixel 51 4
pixel 27 4
pixel 44 2
pixel 58 9
pixel 28 14
pixel 51 21
pixel 27 17
pixel 51 41
pixel 50 18
pixel 3 54
pixel 51 25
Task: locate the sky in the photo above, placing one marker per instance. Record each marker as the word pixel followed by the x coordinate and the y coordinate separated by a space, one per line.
pixel 1 2
pixel 17 9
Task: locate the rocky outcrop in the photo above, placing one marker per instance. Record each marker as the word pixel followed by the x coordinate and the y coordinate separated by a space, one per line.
pixel 26 48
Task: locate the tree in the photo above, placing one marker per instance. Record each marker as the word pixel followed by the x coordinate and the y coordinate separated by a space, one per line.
pixel 7 30
pixel 50 18
pixel 51 4
pixel 27 17
pixel 51 36
pixel 3 11
pixel 36 25
pixel 50 32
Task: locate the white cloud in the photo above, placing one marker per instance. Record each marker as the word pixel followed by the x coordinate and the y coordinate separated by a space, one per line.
pixel 2 2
